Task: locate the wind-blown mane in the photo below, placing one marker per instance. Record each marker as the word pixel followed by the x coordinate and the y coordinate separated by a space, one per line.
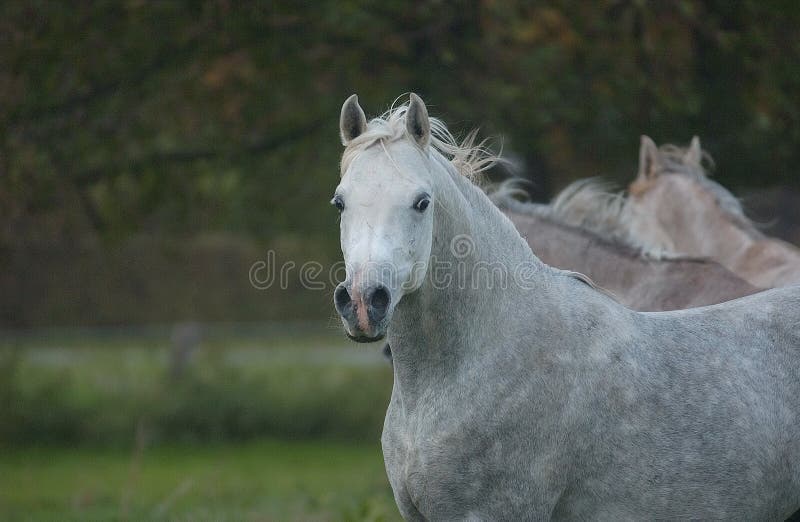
pixel 587 204
pixel 674 161
pixel 470 157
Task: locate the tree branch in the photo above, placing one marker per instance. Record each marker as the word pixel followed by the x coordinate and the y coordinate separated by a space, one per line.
pixel 145 162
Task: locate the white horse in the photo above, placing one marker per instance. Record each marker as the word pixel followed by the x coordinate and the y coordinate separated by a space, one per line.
pixel 544 398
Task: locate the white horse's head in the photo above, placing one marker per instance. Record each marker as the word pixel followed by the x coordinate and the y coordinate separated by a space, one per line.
pixel 386 202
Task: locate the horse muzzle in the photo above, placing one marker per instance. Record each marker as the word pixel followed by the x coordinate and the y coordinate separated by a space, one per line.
pixel 364 312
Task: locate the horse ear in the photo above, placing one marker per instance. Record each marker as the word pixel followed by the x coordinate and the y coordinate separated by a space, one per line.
pixel 418 125
pixel 694 154
pixel 353 121
pixel 649 159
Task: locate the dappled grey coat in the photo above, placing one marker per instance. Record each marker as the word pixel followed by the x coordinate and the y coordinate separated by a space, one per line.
pixel 547 399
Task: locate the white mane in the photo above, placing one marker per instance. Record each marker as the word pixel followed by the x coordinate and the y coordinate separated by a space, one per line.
pixel 588 204
pixel 468 157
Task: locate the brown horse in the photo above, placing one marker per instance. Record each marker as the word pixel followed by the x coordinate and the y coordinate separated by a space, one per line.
pixel 637 279
pixel 674 205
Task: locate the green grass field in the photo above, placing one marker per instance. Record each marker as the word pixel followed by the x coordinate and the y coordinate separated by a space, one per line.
pixel 270 480
pixel 264 424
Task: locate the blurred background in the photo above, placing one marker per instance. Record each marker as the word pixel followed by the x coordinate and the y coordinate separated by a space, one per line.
pixel 152 152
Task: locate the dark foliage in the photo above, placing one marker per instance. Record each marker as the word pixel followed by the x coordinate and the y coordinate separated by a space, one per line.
pixel 176 118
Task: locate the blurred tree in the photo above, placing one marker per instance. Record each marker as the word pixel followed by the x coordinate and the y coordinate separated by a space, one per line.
pixel 174 118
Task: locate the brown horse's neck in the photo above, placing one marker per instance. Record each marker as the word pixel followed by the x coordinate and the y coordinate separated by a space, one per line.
pixel 697 225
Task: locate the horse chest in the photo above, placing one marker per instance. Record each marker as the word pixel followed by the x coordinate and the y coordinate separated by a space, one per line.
pixel 427 471
pixel 445 470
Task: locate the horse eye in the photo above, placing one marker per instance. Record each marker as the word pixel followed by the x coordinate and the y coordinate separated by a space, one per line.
pixel 338 202
pixel 422 203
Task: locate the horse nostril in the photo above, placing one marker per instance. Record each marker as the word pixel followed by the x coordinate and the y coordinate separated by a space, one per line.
pixel 379 303
pixel 341 298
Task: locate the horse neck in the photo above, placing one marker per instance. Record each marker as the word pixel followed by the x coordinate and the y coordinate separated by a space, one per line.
pixel 437 327
pixel 691 219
